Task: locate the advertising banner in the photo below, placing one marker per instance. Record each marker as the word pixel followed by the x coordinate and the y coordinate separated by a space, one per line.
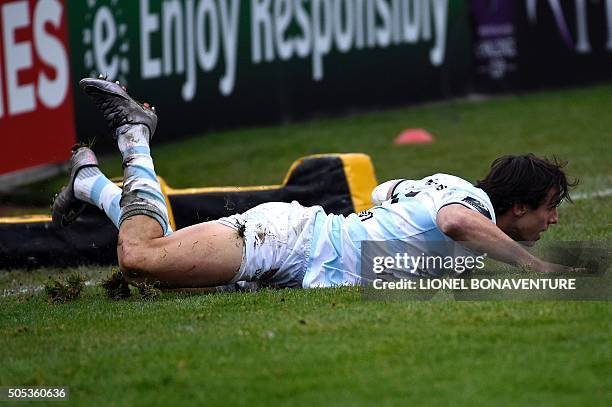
pixel 495 48
pixel 208 64
pixel 36 111
pixel 564 42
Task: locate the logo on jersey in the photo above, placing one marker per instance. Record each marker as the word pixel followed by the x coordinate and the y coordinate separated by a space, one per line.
pixel 476 204
pixel 365 215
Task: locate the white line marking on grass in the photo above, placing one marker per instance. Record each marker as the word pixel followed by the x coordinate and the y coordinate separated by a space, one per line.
pixel 16 291
pixel 33 289
pixel 595 194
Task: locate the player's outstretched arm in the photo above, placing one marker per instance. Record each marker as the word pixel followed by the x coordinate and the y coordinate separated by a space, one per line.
pixel 480 234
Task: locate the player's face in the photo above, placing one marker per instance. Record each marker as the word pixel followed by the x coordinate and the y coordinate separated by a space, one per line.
pixel 533 222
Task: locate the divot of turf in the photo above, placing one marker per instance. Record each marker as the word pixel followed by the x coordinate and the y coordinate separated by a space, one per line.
pixel 58 291
pixel 116 285
pixel 149 292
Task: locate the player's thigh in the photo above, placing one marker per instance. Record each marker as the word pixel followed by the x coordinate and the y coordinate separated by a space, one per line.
pixel 202 255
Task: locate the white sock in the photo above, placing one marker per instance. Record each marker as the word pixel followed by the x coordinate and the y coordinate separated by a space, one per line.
pixel 93 187
pixel 142 194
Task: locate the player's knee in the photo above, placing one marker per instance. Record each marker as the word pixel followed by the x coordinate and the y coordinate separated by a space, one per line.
pixel 132 258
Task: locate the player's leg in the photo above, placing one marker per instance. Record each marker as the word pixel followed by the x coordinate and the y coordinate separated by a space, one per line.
pixel 142 253
pixel 142 194
pixel 203 255
pixel 86 184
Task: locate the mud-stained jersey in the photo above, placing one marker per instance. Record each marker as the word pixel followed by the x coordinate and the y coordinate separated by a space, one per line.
pixel 409 214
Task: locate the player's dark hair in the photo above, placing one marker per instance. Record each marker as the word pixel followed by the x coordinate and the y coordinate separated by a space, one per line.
pixel 525 179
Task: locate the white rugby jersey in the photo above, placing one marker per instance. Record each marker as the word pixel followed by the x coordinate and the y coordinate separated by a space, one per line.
pixel 410 214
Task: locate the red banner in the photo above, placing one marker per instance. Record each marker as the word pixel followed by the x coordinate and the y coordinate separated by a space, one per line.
pixel 36 112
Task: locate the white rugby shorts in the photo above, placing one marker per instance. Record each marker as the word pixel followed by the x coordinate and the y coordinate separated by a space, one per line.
pixel 277 239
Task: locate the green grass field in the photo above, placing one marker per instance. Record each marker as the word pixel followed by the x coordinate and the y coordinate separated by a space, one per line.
pixel 329 347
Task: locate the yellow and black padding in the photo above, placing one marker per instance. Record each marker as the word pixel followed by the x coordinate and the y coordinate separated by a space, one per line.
pixel 340 183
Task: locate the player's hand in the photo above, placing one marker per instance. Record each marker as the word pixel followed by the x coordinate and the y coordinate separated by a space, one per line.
pixel 546 267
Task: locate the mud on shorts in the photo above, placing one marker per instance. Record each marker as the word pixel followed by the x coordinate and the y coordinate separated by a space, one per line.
pixel 277 240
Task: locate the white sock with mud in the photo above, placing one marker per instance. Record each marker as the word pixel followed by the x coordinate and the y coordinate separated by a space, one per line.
pixel 91 186
pixel 142 194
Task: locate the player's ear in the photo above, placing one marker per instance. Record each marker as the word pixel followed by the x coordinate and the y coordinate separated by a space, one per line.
pixel 519 209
